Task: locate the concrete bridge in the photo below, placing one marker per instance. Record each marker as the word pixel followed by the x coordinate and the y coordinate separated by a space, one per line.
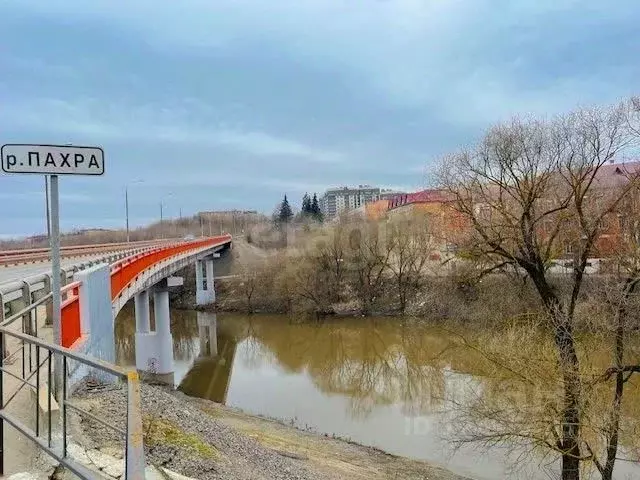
pixel 97 282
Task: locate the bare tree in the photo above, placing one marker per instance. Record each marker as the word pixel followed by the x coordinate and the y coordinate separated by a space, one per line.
pixel 368 259
pixel 330 258
pixel 313 282
pixel 248 284
pixel 410 246
pixel 532 190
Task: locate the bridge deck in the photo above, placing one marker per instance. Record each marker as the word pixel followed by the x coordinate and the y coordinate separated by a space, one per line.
pixel 18 272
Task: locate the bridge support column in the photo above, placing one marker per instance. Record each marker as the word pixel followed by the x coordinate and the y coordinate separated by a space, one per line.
pixel 205 288
pixel 209 280
pixel 143 321
pixel 145 340
pixel 163 331
pixel 200 287
pixel 154 350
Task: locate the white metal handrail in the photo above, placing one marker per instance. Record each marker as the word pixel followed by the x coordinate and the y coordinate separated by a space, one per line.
pixel 134 450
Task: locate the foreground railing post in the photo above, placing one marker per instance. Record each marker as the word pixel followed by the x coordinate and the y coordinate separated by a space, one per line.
pixel 63 406
pixel 38 390
pixel 135 446
pixel 1 401
pixel 49 393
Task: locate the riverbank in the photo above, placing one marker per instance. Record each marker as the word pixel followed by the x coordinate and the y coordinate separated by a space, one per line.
pixel 206 440
pixel 253 280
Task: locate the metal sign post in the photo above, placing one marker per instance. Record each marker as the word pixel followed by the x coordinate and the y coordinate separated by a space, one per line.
pixel 53 160
pixel 55 278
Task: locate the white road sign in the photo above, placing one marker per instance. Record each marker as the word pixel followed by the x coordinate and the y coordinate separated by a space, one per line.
pixel 52 159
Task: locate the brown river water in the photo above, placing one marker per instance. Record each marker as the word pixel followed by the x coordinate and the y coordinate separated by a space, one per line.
pixel 376 381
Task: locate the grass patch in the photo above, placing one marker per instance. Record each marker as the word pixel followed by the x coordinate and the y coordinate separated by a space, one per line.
pixel 159 431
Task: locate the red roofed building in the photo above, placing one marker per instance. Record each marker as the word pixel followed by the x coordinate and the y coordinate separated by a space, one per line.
pixel 444 221
pixel 616 226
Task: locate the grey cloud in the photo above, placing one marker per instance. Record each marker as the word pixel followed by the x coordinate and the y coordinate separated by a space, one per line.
pixel 145 123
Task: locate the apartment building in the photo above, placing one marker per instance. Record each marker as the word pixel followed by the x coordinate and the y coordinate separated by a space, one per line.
pixel 338 200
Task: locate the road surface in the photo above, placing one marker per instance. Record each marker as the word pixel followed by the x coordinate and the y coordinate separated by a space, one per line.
pixel 18 272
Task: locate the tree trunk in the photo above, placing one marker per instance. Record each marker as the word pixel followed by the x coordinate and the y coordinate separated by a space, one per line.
pixel 570 439
pixel 612 447
pixel 618 358
pixel 569 443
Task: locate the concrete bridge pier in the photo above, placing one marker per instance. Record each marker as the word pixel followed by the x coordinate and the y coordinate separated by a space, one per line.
pixel 205 287
pixel 143 321
pixel 145 339
pixel 164 339
pixel 154 349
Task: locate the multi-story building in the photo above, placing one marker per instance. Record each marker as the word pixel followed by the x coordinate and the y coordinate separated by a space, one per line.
pixel 338 200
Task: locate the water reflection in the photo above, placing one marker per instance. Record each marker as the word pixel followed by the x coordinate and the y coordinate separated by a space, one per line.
pixel 378 381
pixel 210 374
pixel 184 329
pixel 371 362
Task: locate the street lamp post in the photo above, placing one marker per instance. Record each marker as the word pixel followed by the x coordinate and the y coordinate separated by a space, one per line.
pixel 161 214
pixel 126 207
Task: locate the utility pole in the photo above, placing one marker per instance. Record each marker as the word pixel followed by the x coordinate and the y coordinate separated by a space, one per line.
pixel 161 225
pixel 126 208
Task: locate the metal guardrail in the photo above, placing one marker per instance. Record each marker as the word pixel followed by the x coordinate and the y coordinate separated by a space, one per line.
pixel 43 437
pixel 11 257
pixel 18 294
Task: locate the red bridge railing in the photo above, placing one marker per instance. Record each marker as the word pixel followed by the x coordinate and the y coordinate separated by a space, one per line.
pixel 123 273
pixel 70 314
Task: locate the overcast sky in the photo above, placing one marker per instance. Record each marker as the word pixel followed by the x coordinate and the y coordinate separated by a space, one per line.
pixel 231 104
